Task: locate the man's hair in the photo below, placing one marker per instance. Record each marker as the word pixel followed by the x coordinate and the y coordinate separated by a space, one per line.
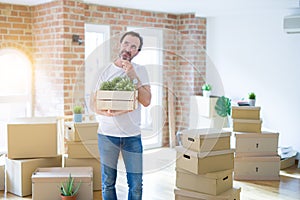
pixel 134 34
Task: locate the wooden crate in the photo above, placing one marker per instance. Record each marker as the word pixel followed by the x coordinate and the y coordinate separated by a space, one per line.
pixel 256 144
pixel 202 163
pixel 204 140
pixel 213 183
pixel 46 182
pixel 245 112
pixel 231 194
pixel 247 125
pixel 257 168
pixel 116 100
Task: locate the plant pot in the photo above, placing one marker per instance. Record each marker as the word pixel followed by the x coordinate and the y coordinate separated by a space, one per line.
pixel 206 93
pixel 68 197
pixel 251 102
pixel 77 117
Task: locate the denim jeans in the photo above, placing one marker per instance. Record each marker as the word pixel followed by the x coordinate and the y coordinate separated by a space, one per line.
pixel 132 153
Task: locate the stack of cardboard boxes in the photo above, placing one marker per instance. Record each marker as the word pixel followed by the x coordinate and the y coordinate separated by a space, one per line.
pixel 204 166
pixel 82 148
pixel 256 156
pixel 32 143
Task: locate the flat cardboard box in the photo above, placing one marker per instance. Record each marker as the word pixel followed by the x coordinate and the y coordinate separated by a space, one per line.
pixel 86 162
pixel 116 100
pixel 256 144
pixel 18 173
pixel 202 163
pixel 81 131
pixel 257 168
pixel 245 112
pixel 231 194
pixel 204 140
pixel 247 125
pixel 84 149
pixel 32 138
pixel 287 162
pixel 213 183
pixel 46 182
pixel 204 105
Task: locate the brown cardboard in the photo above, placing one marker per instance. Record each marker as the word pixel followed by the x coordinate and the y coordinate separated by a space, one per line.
pixel 287 162
pixel 46 182
pixel 84 149
pixel 202 163
pixel 245 112
pixel 204 140
pixel 256 144
pixel 116 100
pixel 213 183
pixel 81 131
pixel 18 173
pixel 2 173
pixel 257 168
pixel 247 125
pixel 86 162
pixel 32 138
pixel 231 194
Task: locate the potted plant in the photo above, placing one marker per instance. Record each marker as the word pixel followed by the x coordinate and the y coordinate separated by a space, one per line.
pixel 206 88
pixel 251 98
pixel 68 190
pixel 77 113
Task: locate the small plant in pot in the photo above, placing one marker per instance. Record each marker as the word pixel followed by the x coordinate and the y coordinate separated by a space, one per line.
pixel 69 190
pixel 206 88
pixel 77 113
pixel 251 98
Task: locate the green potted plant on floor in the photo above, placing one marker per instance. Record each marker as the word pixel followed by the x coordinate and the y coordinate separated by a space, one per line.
pixel 251 98
pixel 69 190
pixel 206 89
pixel 77 113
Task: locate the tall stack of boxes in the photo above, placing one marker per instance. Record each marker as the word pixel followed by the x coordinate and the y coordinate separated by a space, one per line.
pixel 32 143
pixel 256 156
pixel 204 166
pixel 82 148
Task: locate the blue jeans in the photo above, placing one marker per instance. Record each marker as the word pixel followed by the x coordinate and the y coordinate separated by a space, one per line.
pixel 132 153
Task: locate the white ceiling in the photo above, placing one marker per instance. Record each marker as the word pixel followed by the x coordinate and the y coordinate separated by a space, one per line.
pixel 200 7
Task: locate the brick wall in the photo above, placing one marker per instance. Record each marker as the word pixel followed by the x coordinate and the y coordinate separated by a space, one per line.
pixel 45 34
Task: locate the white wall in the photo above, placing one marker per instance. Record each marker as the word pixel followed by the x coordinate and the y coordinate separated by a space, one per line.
pixel 252 53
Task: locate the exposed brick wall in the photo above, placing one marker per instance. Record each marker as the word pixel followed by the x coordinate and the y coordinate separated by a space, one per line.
pixel 58 62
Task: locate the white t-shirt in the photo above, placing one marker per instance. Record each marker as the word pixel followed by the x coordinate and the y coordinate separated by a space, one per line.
pixel 128 124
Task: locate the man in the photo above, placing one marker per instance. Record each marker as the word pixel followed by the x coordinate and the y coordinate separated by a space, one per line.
pixel 119 131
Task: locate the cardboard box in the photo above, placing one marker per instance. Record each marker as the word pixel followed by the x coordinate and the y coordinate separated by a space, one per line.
pixel 32 138
pixel 247 125
pixel 86 162
pixel 256 144
pixel 213 183
pixel 46 182
pixel 231 194
pixel 202 163
pixel 204 105
pixel 257 168
pixel 81 131
pixel 287 162
pixel 204 140
pixel 18 173
pixel 245 112
pixel 84 149
pixel 117 100
pixel 2 173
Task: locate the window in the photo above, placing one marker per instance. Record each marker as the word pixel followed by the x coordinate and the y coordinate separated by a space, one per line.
pixel 15 89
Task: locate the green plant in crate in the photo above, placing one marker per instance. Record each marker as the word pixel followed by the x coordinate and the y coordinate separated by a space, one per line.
pixel 68 188
pixel 118 84
pixel 223 106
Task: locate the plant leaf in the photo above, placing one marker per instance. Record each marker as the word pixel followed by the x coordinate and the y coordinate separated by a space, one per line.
pixel 223 106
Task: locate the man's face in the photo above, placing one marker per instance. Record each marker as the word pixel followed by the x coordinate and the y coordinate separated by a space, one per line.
pixel 129 47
